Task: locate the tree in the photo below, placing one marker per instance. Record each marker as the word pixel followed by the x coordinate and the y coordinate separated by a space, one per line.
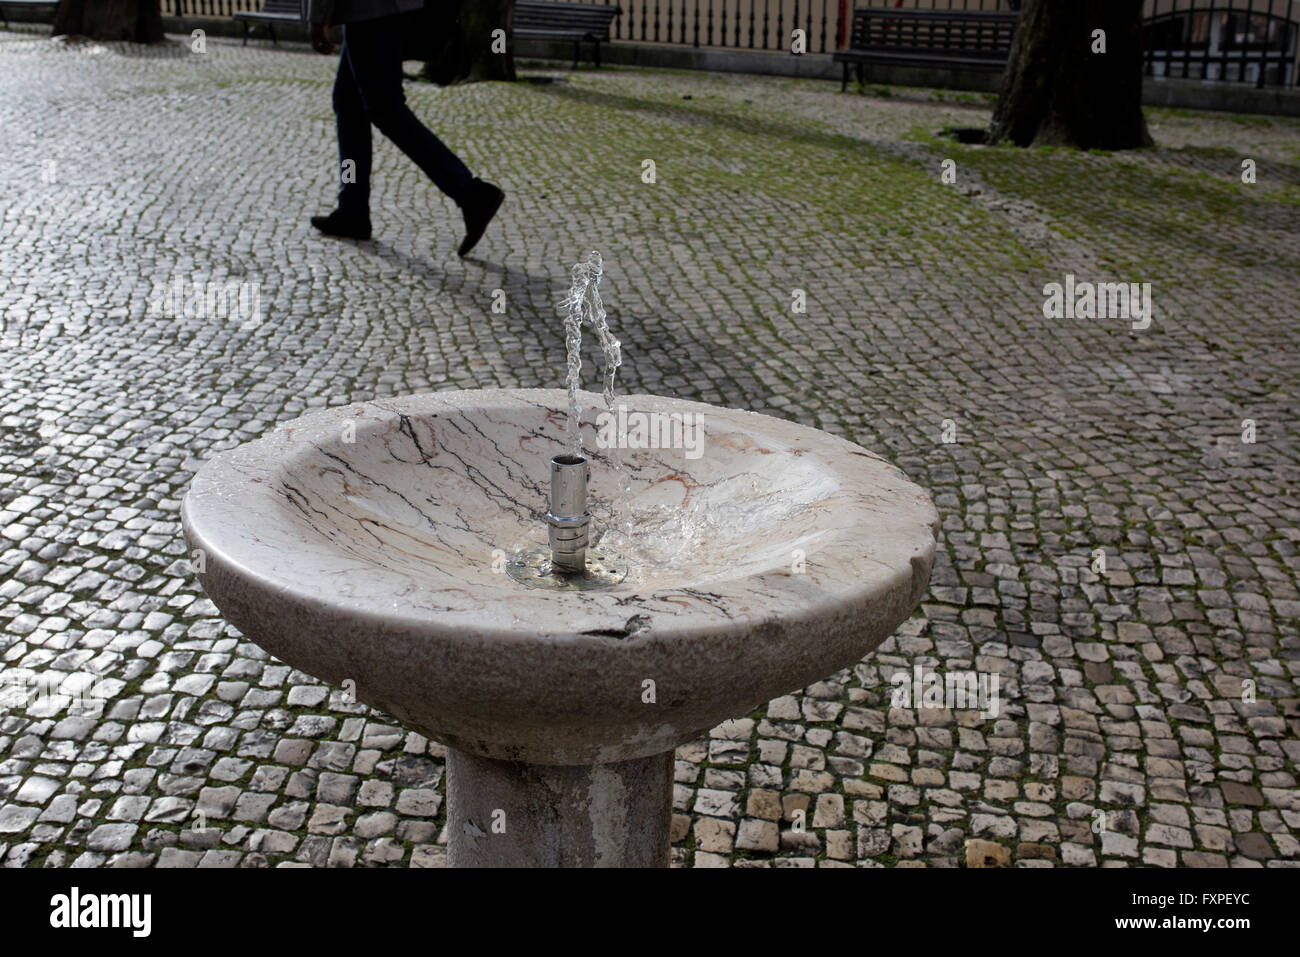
pixel 135 21
pixel 1068 84
pixel 463 42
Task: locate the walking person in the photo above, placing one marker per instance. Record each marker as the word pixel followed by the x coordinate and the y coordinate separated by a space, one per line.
pixel 368 90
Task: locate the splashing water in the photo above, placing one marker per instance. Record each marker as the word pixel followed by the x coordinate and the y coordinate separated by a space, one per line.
pixel 573 307
pixel 583 305
pixel 608 344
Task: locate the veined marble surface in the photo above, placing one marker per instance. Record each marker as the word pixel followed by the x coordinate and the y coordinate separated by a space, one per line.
pixel 368 542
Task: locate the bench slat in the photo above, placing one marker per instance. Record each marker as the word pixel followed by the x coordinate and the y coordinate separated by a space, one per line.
pixel 572 17
pixel 959 39
pixel 933 30
pixel 917 58
pixel 565 21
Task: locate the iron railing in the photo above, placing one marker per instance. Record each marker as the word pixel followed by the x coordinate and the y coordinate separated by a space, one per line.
pixel 738 24
pixel 732 24
pixel 1235 41
pixel 208 8
pixel 758 24
pixel 1248 41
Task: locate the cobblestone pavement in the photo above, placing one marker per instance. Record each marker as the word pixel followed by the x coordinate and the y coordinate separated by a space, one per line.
pixel 1148 707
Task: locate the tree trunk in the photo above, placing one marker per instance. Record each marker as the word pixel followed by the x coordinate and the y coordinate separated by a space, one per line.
pixel 1057 91
pixel 463 47
pixel 135 21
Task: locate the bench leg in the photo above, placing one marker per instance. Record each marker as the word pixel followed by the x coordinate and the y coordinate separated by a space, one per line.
pixel 271 28
pixel 245 43
pixel 577 52
pixel 598 56
pixel 844 78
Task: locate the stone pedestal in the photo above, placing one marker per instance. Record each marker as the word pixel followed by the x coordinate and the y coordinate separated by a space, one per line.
pixel 508 814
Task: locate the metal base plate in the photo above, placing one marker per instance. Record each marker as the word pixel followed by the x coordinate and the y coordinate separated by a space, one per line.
pixel 532 569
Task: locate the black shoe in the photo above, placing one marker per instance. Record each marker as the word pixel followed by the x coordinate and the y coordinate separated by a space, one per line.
pixel 347 227
pixel 479 207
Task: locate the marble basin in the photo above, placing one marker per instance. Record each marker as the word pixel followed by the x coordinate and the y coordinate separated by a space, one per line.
pixel 379 560
pixel 367 544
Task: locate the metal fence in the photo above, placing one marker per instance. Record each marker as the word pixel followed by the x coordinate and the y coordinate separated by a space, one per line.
pixel 747 24
pixel 743 24
pixel 1249 41
pixel 208 8
pixel 1234 41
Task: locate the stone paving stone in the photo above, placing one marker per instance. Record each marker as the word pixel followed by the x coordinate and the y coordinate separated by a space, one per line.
pixel 1158 690
pixel 758 835
pixel 172 857
pixel 987 854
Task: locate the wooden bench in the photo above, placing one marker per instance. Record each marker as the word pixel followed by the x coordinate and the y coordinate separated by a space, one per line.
pixel 565 21
pixel 5 4
pixel 272 12
pixel 958 39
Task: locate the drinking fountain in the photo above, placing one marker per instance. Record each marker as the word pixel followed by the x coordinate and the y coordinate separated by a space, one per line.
pixel 439 552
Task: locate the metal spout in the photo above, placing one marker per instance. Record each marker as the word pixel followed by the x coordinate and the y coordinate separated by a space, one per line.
pixel 568 519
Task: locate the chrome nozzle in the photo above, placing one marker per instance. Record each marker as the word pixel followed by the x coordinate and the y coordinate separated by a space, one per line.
pixel 568 520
